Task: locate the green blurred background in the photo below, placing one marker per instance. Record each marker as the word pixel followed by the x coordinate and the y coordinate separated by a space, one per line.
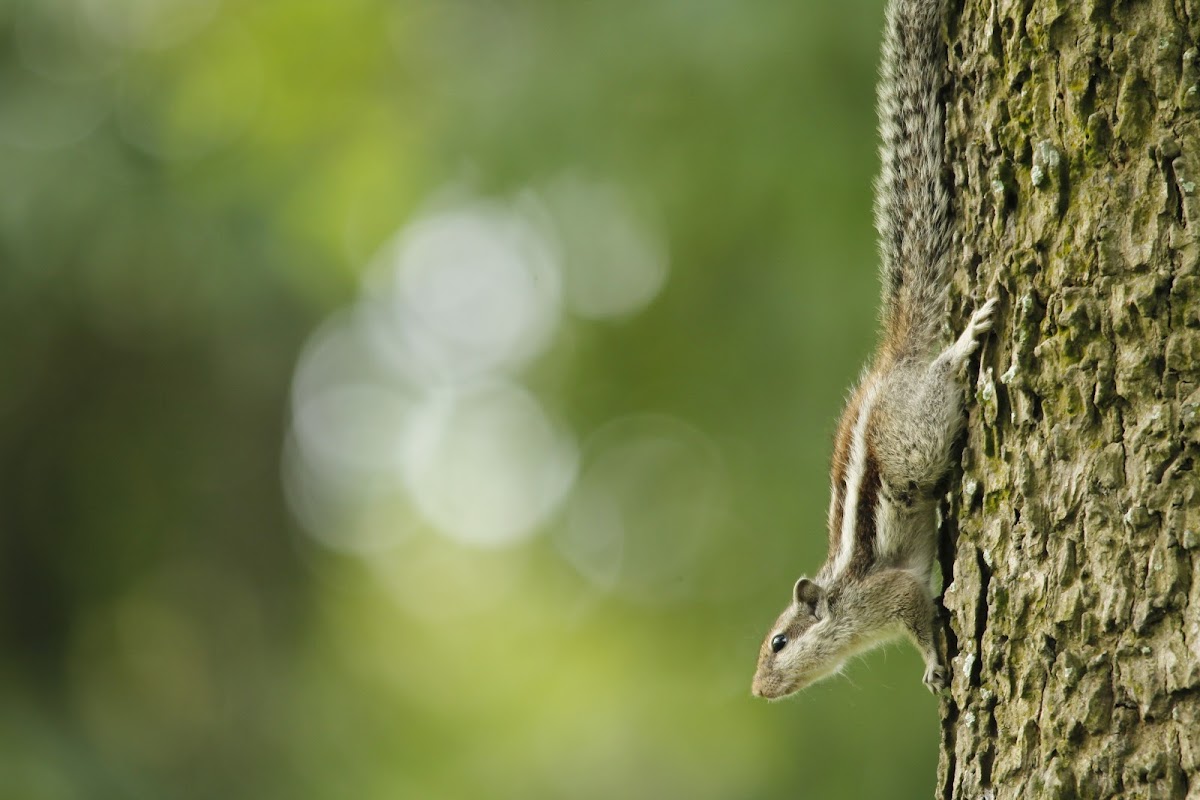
pixel 430 399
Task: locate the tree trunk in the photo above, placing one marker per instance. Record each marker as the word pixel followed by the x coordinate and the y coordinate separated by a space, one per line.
pixel 1071 550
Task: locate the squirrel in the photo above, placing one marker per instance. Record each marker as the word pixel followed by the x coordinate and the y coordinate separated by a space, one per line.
pixel 893 444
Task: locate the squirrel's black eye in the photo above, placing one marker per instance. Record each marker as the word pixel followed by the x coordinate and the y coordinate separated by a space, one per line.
pixel 778 642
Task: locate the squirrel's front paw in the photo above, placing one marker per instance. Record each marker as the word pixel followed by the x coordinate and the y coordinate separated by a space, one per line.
pixel 981 320
pixel 979 324
pixel 935 678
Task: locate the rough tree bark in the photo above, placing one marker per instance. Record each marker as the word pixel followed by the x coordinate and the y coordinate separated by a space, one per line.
pixel 1072 544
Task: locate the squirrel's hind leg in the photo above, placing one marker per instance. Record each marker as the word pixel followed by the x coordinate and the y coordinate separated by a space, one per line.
pixel 921 413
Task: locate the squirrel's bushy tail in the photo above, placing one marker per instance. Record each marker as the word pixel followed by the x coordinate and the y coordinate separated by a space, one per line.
pixel 912 204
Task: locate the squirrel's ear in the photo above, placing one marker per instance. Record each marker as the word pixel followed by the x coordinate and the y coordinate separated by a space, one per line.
pixel 809 593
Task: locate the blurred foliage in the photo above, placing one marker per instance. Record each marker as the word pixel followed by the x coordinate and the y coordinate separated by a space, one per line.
pixel 192 188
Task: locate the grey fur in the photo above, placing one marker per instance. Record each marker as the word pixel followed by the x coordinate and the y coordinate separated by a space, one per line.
pixel 912 205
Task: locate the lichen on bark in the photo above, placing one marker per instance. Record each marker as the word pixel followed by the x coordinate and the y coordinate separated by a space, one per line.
pixel 1071 549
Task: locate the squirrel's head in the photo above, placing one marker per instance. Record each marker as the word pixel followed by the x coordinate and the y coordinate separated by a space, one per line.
pixel 802 646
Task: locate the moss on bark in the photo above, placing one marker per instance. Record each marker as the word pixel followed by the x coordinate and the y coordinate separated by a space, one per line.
pixel 1072 543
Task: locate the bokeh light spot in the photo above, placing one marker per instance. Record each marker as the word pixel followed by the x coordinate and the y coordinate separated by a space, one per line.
pixel 486 465
pixel 650 495
pixel 412 394
pixel 615 264
pixel 465 293
pixel 350 414
pixel 54 42
pixel 148 24
pixel 38 114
